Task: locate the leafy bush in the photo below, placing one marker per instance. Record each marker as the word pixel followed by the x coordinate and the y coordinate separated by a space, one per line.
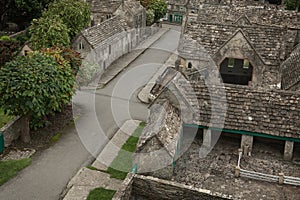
pixel 35 85
pixel 159 7
pixel 149 17
pixel 75 14
pixel 48 32
pixel 8 50
pixel 292 4
pixel 64 53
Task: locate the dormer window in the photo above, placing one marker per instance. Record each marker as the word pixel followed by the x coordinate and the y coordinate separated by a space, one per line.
pixel 236 71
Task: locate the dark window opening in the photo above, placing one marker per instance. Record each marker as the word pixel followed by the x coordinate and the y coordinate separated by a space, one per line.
pixel 81 46
pixel 236 71
pixel 190 65
pixel 109 49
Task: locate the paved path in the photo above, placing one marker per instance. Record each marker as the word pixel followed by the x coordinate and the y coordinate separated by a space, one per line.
pixel 51 170
pixel 118 66
pixel 86 179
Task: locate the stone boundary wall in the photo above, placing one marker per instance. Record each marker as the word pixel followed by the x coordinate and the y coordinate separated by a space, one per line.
pixel 158 189
pixel 12 130
pixel 124 192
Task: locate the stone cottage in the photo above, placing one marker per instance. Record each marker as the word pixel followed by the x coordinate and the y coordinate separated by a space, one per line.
pixel 248 45
pixel 176 11
pixel 237 76
pixel 102 44
pixel 130 10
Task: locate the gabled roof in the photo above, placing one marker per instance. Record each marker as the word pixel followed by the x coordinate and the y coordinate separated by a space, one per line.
pixel 97 34
pixel 246 40
pixel 104 6
pixel 262 15
pixel 268 41
pixel 241 108
pixel 191 49
pixel 133 6
pixel 290 69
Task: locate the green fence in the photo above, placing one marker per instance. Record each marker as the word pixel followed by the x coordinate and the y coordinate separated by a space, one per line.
pixel 1 142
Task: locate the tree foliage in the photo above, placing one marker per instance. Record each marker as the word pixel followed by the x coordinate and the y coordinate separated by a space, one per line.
pixel 75 14
pixel 21 11
pixel 8 49
pixel 48 32
pixel 149 17
pixel 67 54
pixel 292 4
pixel 35 85
pixel 159 7
pixel 32 6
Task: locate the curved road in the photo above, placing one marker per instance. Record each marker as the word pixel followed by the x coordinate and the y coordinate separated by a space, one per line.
pixel 104 111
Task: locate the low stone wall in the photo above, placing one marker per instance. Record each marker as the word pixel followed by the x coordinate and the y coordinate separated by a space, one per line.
pixel 124 193
pixel 12 130
pixel 147 187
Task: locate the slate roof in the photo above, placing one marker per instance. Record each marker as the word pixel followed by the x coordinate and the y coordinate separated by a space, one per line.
pixel 266 40
pixel 191 49
pixel 104 6
pixel 133 6
pixel 290 69
pixel 97 34
pixel 240 108
pixel 256 14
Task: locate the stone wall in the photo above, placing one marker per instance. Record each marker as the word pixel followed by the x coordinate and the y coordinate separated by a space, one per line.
pixel 12 130
pixel 99 58
pixel 147 187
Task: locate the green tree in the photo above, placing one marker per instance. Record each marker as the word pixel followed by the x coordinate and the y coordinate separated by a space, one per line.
pixel 48 32
pixel 8 49
pixel 292 4
pixel 34 86
pixel 159 7
pixel 149 17
pixel 75 14
pixel 34 7
pixel 65 53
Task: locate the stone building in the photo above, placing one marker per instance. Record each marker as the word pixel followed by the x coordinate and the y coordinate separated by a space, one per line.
pixel 176 11
pixel 248 45
pixel 290 71
pixel 130 10
pixel 237 76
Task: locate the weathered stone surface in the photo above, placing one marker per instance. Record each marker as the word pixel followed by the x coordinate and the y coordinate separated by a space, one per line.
pixel 290 69
pixel 288 150
pixel 12 130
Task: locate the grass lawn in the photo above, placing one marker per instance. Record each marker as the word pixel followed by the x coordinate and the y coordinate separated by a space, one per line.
pixel 124 158
pixel 4 118
pixel 10 168
pixel 101 194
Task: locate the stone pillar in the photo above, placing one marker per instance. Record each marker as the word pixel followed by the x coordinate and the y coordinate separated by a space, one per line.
pixel 246 144
pixel 207 137
pixel 288 150
pixel 280 178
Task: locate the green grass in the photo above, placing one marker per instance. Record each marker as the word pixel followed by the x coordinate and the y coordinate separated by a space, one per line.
pixel 55 137
pixel 91 167
pixel 10 168
pixel 4 118
pixel 124 158
pixel 101 194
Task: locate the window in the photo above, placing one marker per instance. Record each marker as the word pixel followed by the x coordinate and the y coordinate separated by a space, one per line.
pixel 236 71
pixel 81 46
pixel 230 62
pixel 246 64
pixel 109 49
pixel 190 65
